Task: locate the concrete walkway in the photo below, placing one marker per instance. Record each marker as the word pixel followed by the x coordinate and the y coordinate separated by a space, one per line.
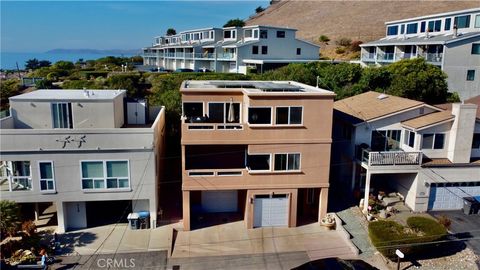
pixel 234 239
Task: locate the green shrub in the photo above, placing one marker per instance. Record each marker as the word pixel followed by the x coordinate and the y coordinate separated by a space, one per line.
pixel 340 50
pixel 419 237
pixel 93 74
pixel 323 38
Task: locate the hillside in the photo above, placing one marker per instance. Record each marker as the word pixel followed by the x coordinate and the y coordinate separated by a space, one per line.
pixel 359 20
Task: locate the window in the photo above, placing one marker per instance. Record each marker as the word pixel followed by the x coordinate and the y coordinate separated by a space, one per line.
pixel 264 34
pixel 62 115
pixel 433 141
pixel 476 141
pixel 477 21
pixel 422 27
pixel 385 140
pixel 402 29
pixel 46 175
pixel 18 174
pixel 254 49
pixel 259 116
pixel 476 48
pixel 258 162
pixel 280 34
pixel 288 116
pixel 438 26
pixel 192 109
pixel 255 33
pixel 462 21
pixel 412 28
pixel 264 49
pixel 392 30
pixel 299 51
pixel 431 25
pixel 227 34
pixel 287 162
pixel 448 23
pixel 105 174
pixel 220 113
pixel 409 138
pixel 248 33
pixel 471 75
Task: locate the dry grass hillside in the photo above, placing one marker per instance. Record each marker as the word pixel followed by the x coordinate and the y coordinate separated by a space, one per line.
pixel 358 20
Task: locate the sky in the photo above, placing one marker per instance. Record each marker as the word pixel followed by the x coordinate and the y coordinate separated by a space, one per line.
pixel 39 26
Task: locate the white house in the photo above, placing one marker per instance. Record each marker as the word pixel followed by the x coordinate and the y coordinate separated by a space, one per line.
pixel 430 155
pixel 91 154
pixel 230 49
pixel 449 40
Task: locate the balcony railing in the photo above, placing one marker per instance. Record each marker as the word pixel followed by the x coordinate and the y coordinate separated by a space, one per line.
pixel 15 183
pixel 189 55
pixel 391 158
pixel 368 57
pixel 402 55
pixel 226 55
pixel 170 54
pixel 214 126
pixel 432 57
pixel 385 57
pixel 149 54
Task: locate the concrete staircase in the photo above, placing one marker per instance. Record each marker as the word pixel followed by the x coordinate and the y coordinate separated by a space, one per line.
pixel 352 224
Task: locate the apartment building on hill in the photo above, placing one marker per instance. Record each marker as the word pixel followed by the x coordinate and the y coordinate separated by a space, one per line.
pixel 92 155
pixel 449 40
pixel 257 151
pixel 230 49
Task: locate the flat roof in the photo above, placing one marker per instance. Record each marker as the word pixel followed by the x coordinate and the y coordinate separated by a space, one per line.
pixel 70 94
pixel 371 105
pixel 427 120
pixel 255 87
pixel 471 10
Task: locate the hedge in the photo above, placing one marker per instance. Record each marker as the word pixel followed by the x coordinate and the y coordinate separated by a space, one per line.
pixel 387 236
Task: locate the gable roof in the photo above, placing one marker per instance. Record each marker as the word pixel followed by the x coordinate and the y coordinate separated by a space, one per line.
pixel 428 120
pixel 371 105
pixel 472 100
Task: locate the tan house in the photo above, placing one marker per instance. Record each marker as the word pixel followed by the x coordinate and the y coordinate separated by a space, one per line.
pixel 255 151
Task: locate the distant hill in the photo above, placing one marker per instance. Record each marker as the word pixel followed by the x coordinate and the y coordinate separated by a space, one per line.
pixel 94 51
pixel 359 20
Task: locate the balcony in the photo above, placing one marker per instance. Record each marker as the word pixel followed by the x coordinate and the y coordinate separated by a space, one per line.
pixel 399 56
pixel 15 183
pixel 385 57
pixel 435 58
pixel 170 54
pixel 226 55
pixel 149 54
pixel 368 57
pixel 390 158
pixel 189 55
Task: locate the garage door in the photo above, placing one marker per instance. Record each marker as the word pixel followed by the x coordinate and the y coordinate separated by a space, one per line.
pixel 449 196
pixel 270 211
pixel 220 201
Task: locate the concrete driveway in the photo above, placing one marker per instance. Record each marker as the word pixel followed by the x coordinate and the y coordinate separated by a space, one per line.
pixel 465 227
pixel 234 239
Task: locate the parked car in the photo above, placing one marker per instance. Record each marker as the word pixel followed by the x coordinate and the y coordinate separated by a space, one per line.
pixel 335 264
pixel 203 70
pixel 184 70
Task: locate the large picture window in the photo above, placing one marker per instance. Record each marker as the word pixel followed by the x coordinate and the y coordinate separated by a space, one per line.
pixel 192 109
pixel 105 174
pixel 433 141
pixel 47 181
pixel 462 21
pixel 288 115
pixel 17 174
pixel 258 162
pixel 221 112
pixel 62 115
pixel 287 162
pixel 260 115
pixel 392 30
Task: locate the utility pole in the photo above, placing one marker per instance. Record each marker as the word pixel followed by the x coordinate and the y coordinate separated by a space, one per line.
pixel 18 71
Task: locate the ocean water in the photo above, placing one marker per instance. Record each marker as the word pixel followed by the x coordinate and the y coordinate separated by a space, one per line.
pixel 8 60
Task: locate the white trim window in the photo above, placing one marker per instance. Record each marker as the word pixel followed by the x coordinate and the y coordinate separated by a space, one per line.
pixel 260 115
pixel 62 115
pixel 287 162
pixel 218 112
pixel 433 141
pixel 17 174
pixel 111 174
pixel 409 138
pixel 289 115
pixel 47 178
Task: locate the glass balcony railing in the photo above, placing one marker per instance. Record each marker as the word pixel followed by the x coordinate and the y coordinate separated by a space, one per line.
pixel 381 57
pixel 368 57
pixel 432 57
pixel 401 55
pixel 226 55
pixel 170 54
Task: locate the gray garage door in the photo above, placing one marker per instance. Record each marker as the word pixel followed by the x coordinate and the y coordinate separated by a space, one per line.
pixel 220 201
pixel 449 196
pixel 270 211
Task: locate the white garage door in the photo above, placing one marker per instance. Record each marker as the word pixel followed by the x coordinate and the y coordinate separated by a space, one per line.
pixel 270 211
pixel 449 196
pixel 220 201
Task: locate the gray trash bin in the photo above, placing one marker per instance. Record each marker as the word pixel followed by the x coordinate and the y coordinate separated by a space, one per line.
pixel 133 221
pixel 470 205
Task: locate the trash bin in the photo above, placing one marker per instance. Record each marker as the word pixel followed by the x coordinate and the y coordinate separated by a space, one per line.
pixel 470 205
pixel 144 219
pixel 133 221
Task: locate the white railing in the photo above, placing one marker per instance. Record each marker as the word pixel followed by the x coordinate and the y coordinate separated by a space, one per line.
pixel 213 126
pixel 15 183
pixel 391 158
pixel 432 57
